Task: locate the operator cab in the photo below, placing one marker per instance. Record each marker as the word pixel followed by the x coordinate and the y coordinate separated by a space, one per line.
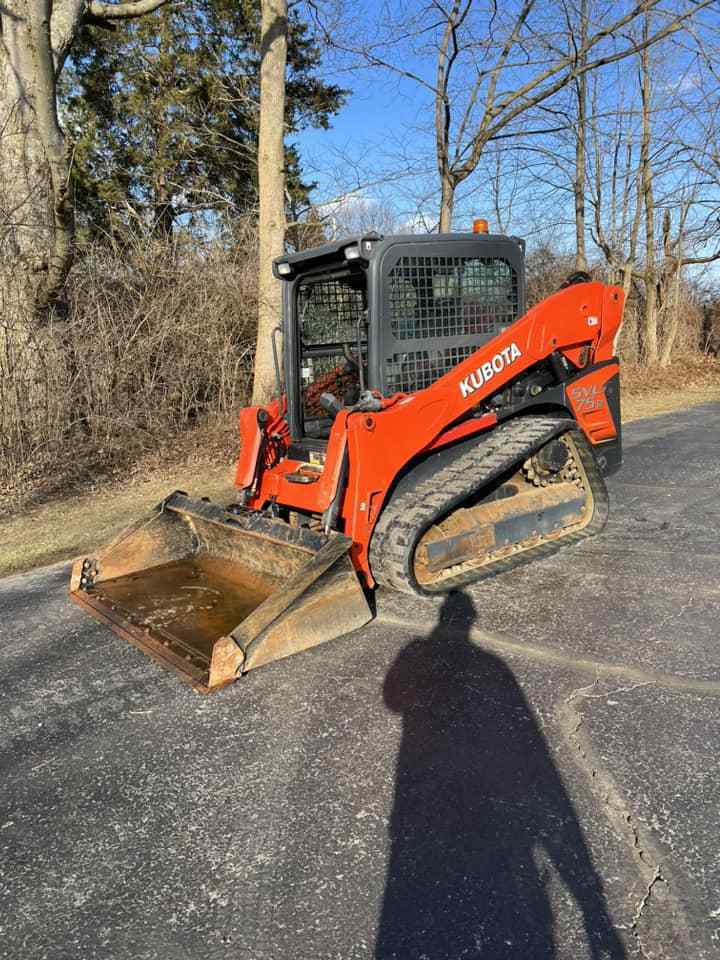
pixel 390 314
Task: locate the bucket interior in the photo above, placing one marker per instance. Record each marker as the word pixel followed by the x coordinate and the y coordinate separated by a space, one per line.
pixel 181 581
pixel 194 600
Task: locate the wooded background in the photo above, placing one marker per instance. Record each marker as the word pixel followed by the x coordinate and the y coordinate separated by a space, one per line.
pixel 151 165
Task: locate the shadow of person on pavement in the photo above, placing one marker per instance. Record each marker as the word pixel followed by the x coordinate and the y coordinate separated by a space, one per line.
pixel 480 816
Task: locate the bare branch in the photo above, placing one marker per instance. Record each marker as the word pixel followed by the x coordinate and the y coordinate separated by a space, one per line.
pixel 534 92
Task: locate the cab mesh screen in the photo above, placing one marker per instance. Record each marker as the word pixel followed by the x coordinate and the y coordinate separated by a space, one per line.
pixel 417 369
pixel 436 299
pixel 329 310
pixel 451 296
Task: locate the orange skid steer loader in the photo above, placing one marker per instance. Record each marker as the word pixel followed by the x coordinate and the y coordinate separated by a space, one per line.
pixel 427 432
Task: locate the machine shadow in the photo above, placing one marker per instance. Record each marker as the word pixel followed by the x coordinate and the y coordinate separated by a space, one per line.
pixel 481 816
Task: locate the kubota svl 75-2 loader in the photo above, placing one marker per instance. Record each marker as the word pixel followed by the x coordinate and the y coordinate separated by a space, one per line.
pixel 428 432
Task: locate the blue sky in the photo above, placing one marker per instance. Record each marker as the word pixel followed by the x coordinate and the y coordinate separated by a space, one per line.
pixel 383 139
pixel 378 120
pixel 386 126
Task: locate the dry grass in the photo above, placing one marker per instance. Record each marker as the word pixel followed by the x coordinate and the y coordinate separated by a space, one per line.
pixel 686 383
pixel 155 339
pixel 39 528
pixel 665 401
pixel 689 373
pixel 65 528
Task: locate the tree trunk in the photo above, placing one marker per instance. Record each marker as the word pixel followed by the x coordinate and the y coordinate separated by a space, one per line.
pixel 271 185
pixel 625 276
pixel 447 202
pixel 706 330
pixel 672 326
pixel 581 263
pixel 35 216
pixel 648 321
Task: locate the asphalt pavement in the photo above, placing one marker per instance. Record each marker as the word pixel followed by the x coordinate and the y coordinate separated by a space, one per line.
pixel 525 770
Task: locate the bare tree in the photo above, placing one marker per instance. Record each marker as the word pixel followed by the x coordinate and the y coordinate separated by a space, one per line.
pixel 271 186
pixel 665 241
pixel 646 203
pixel 581 96
pixel 648 322
pixel 495 65
pixel 509 87
pixel 615 195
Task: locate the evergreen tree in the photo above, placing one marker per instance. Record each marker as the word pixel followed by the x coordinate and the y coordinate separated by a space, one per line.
pixel 163 113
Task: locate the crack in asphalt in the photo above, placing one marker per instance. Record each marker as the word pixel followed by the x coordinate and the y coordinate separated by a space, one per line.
pixel 646 856
pixel 657 878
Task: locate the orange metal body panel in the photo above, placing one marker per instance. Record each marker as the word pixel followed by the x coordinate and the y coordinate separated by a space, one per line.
pixel 273 436
pixel 465 429
pixel 589 403
pixel 581 321
pixel 250 450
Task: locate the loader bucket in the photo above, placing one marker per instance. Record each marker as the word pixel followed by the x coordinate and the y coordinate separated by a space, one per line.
pixel 211 593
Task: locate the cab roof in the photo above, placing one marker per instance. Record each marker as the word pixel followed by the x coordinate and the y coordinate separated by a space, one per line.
pixel 368 246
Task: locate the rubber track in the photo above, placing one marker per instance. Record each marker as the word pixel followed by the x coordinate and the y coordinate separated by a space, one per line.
pixel 412 512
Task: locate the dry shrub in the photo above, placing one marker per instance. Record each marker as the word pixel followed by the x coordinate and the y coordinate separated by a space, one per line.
pixel 546 270
pixel 686 373
pixel 688 343
pixel 156 338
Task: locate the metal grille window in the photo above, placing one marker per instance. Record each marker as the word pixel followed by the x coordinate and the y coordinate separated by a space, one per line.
pixel 432 297
pixel 329 309
pixel 408 372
